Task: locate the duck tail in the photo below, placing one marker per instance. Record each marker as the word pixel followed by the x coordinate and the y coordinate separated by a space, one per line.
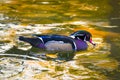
pixel 21 38
pixel 25 39
pixel 32 41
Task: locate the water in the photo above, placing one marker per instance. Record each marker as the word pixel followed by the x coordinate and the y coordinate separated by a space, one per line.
pixel 24 17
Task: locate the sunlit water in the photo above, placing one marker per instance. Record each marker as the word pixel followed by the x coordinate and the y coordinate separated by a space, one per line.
pixel 23 17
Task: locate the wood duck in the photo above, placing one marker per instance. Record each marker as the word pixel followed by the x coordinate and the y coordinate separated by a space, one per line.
pixel 65 46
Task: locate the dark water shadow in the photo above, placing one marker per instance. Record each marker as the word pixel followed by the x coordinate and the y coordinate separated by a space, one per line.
pixel 114 17
pixel 32 54
pixel 115 53
pixel 114 20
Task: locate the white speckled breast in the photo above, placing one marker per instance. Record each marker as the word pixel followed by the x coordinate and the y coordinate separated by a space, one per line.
pixel 58 46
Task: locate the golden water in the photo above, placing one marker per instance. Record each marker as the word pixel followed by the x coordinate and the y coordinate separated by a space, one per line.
pixel 24 17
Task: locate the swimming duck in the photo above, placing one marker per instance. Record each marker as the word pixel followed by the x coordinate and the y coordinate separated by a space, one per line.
pixel 65 46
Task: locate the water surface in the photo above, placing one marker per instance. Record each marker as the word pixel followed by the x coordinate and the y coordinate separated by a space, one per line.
pixel 24 17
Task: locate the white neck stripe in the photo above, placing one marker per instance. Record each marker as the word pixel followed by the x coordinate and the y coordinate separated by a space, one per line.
pixel 41 39
pixel 75 46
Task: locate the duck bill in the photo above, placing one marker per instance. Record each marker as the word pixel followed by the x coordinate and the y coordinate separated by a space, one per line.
pixel 92 42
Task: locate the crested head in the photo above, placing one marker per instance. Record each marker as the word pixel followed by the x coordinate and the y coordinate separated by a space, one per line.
pixel 83 35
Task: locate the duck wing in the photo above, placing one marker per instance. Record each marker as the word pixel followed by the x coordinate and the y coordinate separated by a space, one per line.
pixel 58 41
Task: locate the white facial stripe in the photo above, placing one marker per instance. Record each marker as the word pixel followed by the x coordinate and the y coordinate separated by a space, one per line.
pixel 80 34
pixel 85 38
pixel 78 38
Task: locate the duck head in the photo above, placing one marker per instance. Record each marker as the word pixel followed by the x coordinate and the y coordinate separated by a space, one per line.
pixel 83 35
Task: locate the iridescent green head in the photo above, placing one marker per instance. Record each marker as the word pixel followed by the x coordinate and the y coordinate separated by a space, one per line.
pixel 83 35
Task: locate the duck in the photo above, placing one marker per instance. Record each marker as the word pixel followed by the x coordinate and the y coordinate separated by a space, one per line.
pixel 64 46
